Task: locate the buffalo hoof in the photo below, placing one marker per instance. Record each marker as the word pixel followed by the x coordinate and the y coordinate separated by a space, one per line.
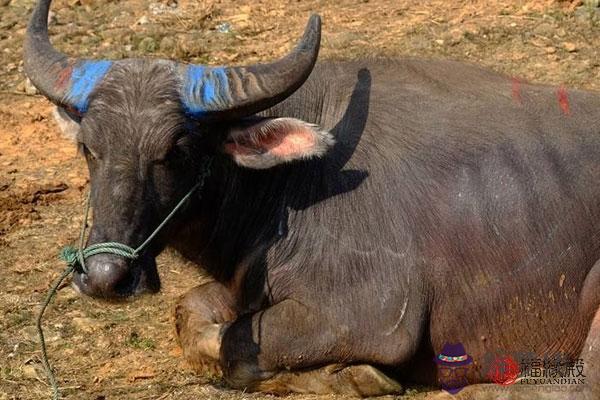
pixel 201 317
pixel 201 349
pixel 353 380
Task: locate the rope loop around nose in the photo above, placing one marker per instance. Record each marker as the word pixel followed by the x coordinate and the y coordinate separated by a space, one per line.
pixel 75 258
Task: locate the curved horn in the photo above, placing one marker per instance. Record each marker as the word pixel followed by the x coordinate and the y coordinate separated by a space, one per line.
pixel 65 81
pixel 234 92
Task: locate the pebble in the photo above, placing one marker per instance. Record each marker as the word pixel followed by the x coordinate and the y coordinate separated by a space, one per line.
pixel 29 88
pixel 30 372
pixel 224 27
pixel 570 47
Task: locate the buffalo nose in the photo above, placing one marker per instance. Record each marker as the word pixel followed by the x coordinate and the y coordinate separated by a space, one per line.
pixel 107 276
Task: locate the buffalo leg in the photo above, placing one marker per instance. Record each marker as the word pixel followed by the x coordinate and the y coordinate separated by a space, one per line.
pixel 284 349
pixel 201 317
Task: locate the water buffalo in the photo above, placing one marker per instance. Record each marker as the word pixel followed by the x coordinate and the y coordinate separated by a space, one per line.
pixel 358 215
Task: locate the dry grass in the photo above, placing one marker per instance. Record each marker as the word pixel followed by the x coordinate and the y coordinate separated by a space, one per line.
pixel 128 350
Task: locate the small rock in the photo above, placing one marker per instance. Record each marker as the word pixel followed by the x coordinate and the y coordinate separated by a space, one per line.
pixel 440 42
pixel 143 20
pixel 570 47
pixel 30 89
pixel 51 17
pixel 224 27
pixel 550 50
pixel 27 87
pixel 29 372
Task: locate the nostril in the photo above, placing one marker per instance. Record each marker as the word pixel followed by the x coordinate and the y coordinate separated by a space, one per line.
pixel 128 282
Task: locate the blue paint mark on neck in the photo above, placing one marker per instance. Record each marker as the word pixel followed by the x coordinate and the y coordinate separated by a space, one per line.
pixel 85 77
pixel 205 89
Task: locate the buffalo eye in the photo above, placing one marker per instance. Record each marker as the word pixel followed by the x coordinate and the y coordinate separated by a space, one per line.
pixel 179 154
pixel 172 158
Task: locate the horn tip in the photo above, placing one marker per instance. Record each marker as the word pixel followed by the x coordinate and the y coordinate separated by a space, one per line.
pixel 314 22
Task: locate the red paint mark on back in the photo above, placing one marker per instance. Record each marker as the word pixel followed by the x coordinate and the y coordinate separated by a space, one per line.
pixel 516 90
pixel 563 100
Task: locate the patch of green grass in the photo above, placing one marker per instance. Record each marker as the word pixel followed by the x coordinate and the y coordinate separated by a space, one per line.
pixel 7 373
pixel 137 342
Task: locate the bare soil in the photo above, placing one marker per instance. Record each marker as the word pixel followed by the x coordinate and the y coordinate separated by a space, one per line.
pixel 128 350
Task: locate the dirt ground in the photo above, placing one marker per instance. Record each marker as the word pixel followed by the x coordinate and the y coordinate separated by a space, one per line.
pixel 128 350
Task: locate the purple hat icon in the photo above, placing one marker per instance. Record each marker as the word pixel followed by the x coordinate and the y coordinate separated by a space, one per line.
pixel 453 355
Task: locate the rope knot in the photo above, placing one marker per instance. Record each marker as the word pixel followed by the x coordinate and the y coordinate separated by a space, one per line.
pixel 69 255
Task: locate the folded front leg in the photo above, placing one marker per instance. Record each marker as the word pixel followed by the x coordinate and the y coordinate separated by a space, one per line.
pixel 282 349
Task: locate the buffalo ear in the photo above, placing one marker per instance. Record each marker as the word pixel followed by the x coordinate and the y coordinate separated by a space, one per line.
pixel 69 125
pixel 267 142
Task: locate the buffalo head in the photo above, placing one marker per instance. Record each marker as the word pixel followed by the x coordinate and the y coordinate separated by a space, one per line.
pixel 143 127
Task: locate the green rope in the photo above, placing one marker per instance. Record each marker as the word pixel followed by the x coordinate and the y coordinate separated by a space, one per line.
pixel 75 258
pixel 49 296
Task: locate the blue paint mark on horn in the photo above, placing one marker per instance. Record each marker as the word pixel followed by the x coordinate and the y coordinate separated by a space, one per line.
pixel 191 87
pixel 208 92
pixel 204 89
pixel 84 79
